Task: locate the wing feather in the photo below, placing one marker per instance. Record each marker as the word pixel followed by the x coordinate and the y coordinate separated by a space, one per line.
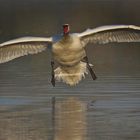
pixel 113 33
pixel 22 46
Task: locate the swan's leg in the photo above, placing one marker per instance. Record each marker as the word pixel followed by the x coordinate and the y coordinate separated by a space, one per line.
pixel 90 68
pixel 53 74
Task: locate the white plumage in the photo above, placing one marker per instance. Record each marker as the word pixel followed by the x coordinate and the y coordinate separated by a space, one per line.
pixel 68 50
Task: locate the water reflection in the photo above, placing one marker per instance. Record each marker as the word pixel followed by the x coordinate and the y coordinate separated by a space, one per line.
pixel 100 117
pixel 70 120
pixel 43 119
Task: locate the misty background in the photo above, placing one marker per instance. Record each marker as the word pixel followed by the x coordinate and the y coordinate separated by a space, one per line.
pixel 45 17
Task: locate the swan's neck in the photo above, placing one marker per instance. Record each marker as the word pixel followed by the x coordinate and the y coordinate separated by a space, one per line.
pixel 66 37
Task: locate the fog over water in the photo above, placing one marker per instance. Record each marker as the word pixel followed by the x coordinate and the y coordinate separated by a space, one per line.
pixel 108 108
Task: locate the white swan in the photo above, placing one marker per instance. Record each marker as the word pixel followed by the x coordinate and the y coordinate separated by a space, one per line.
pixel 68 49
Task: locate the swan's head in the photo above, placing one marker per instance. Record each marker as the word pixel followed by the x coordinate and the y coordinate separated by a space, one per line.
pixel 66 29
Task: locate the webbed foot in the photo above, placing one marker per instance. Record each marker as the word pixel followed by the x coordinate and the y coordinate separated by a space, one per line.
pixel 94 77
pixel 53 74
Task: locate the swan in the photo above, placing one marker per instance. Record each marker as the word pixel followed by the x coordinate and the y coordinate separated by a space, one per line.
pixel 68 49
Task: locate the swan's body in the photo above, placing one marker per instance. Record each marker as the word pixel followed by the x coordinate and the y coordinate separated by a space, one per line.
pixel 68 50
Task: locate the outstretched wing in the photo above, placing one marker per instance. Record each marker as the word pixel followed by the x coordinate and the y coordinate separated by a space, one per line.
pixel 113 33
pixel 22 46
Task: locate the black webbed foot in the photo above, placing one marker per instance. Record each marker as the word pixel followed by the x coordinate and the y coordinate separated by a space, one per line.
pixel 53 74
pixel 94 77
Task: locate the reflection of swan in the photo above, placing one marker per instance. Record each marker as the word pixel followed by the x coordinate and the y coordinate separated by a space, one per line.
pixel 68 49
pixel 70 120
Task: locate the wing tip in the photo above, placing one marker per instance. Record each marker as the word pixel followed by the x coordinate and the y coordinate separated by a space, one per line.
pixel 134 27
